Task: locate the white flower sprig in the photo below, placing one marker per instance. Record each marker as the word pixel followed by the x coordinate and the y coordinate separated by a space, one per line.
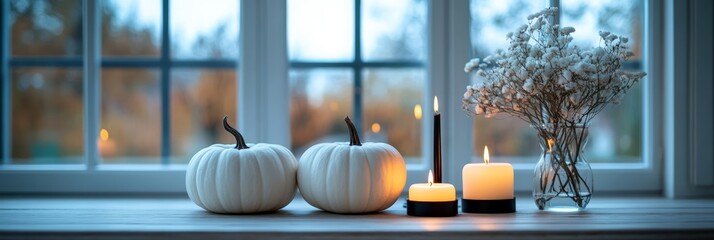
pixel 542 79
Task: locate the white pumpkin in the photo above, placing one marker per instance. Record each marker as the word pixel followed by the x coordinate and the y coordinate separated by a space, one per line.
pixel 351 177
pixel 242 178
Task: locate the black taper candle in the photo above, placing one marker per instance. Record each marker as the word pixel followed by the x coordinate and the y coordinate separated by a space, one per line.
pixel 437 142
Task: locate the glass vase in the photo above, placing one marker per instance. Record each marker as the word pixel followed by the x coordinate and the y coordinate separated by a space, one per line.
pixel 563 179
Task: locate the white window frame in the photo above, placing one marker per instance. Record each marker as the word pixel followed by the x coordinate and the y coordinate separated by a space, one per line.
pixel 688 101
pixel 264 109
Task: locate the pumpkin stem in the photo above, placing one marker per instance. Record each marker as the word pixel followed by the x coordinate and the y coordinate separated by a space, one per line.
pixel 239 138
pixel 354 138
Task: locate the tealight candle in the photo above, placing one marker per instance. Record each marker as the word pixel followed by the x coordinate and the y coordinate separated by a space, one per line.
pixel 488 187
pixel 432 199
pixel 432 192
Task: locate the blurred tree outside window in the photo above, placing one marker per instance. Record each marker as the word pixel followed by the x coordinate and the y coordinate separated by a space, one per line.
pixel 46 102
pixel 616 133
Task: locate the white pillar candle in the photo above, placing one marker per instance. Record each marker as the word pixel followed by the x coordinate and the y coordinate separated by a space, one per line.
pixel 432 192
pixel 488 181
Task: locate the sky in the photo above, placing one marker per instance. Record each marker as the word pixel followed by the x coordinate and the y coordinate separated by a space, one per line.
pixel 308 22
pixel 189 19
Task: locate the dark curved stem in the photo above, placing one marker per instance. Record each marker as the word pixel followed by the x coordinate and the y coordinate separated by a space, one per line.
pixel 240 142
pixel 354 138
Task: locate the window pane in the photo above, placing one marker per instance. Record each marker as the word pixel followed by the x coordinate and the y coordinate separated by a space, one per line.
pixel 390 99
pixel 46 28
pixel 617 131
pixel 490 22
pixel 204 29
pixel 199 100
pixel 131 27
pixel 131 116
pixel 47 116
pixel 321 30
pixel 394 30
pixel 319 101
pixel 505 136
pixel 621 17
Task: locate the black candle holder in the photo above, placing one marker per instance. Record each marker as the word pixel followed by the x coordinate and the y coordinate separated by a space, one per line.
pixel 488 206
pixel 432 209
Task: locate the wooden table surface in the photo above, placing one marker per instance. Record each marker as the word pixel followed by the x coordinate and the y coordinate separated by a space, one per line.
pixel 179 218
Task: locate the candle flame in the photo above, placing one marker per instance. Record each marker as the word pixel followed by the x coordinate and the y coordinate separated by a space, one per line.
pixel 104 134
pixel 485 155
pixel 436 105
pixel 550 145
pixel 376 127
pixel 430 180
pixel 417 111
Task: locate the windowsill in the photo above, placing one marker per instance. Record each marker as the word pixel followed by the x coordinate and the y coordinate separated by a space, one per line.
pixel 179 218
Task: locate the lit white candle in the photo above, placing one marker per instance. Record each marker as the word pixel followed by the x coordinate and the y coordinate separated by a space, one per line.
pixel 432 192
pixel 488 181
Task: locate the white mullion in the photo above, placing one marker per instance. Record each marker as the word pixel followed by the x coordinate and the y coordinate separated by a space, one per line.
pixel 276 92
pixel 249 103
pixel 263 83
pixel 91 79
